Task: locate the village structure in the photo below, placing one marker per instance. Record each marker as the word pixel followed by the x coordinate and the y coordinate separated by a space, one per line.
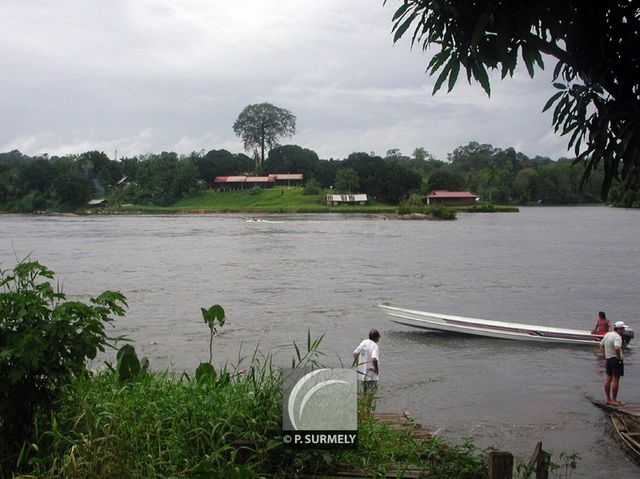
pixel 446 197
pixel 337 200
pixel 240 182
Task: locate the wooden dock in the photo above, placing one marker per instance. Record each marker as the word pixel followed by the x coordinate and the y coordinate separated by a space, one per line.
pixel 395 421
pixel 630 410
pixel 403 421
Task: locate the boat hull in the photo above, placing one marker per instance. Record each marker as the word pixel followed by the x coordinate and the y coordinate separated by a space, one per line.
pixel 628 431
pixel 489 328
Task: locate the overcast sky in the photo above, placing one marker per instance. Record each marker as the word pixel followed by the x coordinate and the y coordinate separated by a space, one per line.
pixel 145 76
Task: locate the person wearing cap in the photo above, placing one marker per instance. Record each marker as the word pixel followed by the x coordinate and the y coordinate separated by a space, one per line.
pixel 366 356
pixel 611 344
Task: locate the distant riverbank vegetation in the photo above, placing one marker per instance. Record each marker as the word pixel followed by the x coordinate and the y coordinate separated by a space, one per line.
pixel 60 419
pixel 169 180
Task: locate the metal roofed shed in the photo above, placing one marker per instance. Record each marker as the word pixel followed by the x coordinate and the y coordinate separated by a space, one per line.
pixel 290 179
pixel 238 182
pixel 337 200
pixel 446 197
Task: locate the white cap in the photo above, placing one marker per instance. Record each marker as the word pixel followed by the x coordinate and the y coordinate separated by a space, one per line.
pixel 619 324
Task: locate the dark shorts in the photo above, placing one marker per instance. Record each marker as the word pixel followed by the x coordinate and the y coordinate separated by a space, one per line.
pixel 615 367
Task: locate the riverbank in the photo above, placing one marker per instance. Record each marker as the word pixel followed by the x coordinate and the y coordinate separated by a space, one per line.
pixel 225 425
pixel 282 201
pixel 292 201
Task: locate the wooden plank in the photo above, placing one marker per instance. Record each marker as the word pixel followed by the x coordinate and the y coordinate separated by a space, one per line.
pixel 394 421
pixel 500 465
pixel 631 410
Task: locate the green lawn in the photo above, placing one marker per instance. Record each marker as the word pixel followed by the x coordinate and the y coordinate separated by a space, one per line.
pixel 271 200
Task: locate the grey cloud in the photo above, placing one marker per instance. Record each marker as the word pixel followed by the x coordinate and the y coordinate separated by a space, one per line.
pixel 145 76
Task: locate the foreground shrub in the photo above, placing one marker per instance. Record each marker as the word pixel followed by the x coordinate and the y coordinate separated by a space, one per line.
pixel 439 212
pixel 44 342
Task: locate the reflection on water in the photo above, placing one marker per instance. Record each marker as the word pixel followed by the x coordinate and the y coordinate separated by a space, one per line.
pixel 282 276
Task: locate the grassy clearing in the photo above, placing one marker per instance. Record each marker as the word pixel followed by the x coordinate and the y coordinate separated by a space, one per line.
pixel 270 200
pixel 292 200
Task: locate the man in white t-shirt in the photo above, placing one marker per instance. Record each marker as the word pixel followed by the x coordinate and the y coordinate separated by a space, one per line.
pixel 611 344
pixel 367 356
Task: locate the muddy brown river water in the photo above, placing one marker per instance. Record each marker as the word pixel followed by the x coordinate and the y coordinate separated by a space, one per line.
pixel 281 276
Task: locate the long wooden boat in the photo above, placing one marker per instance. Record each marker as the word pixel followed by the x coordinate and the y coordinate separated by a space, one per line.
pixel 628 431
pixel 493 329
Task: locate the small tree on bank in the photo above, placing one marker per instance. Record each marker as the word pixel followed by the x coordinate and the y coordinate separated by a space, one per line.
pixel 260 125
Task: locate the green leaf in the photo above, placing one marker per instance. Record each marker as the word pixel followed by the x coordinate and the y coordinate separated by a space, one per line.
pixel 403 27
pixel 205 373
pixel 400 11
pixel 556 70
pixel 480 74
pixel 454 75
pixel 528 60
pixel 443 75
pixel 128 364
pixel 552 100
pixel 437 60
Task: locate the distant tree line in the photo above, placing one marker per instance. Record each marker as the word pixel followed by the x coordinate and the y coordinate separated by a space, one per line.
pixel 500 176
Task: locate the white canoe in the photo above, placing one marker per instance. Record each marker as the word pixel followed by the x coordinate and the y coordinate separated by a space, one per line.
pixel 493 329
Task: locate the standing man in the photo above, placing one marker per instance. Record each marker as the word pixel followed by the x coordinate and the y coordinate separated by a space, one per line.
pixel 611 344
pixel 366 356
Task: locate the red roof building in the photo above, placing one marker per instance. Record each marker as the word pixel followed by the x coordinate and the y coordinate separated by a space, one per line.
pixel 243 181
pixel 446 197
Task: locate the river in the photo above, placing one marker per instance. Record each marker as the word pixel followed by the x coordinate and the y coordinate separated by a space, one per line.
pixel 282 276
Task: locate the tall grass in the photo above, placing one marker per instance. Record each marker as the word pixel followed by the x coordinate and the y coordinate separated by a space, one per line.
pixel 227 425
pixel 162 426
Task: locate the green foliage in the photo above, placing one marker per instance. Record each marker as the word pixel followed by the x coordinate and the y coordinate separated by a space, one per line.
pixel 260 125
pixel 128 366
pixel 225 423
pixel 311 187
pixel 568 462
pixel 160 426
pixel 292 159
pixel 220 163
pixel 414 200
pixel 443 212
pixel 436 212
pixel 311 357
pixel 213 317
pixel 163 179
pixel 385 180
pixel 596 77
pixel 347 180
pixel 44 343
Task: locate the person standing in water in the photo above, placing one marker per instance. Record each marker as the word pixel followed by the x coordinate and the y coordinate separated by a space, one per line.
pixel 366 357
pixel 611 344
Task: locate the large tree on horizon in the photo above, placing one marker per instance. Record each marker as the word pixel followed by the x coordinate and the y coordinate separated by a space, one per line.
pixel 597 75
pixel 260 125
